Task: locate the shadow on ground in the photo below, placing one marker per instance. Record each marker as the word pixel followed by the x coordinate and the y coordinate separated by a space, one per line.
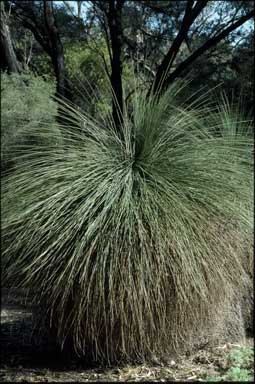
pixel 23 345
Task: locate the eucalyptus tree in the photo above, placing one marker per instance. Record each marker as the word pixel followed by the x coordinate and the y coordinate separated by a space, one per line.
pixel 39 18
pixel 173 35
pixel 166 39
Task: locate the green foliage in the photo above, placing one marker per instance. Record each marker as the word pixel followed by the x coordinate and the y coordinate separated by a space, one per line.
pixel 82 60
pixel 242 357
pixel 26 103
pixel 238 374
pixel 130 245
pixel 240 363
pixel 86 74
pixel 43 65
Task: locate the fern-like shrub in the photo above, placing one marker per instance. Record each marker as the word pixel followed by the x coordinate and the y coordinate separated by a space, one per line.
pixel 130 245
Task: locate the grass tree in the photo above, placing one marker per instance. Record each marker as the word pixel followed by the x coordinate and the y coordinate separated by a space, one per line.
pixel 128 245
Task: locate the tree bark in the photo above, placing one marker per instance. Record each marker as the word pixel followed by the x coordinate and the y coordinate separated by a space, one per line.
pixel 114 16
pixel 56 48
pixel 9 59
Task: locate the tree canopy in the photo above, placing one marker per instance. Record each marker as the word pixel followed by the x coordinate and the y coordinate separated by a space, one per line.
pixel 162 41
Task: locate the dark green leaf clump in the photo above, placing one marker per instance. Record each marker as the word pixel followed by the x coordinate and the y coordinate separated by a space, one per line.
pixel 130 245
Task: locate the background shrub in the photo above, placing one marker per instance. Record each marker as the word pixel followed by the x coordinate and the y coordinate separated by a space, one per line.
pixel 26 104
pixel 240 366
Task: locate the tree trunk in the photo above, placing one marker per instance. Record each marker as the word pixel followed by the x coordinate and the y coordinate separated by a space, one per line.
pixel 56 49
pixel 114 20
pixel 9 59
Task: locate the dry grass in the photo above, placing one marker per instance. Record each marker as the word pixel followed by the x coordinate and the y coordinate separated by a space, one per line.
pixel 26 361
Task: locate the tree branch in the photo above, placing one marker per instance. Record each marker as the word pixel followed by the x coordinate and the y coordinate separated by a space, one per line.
pixel 205 47
pixel 191 13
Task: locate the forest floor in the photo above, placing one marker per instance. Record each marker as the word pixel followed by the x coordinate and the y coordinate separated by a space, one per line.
pixel 23 360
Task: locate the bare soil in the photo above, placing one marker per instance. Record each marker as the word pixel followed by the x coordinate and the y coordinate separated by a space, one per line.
pixel 27 358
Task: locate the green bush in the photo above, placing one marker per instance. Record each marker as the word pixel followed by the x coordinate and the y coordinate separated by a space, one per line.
pixel 26 104
pixel 242 357
pixel 240 365
pixel 128 246
pixel 233 374
pixel 88 78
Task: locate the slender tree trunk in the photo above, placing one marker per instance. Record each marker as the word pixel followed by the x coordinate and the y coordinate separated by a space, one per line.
pixel 114 20
pixel 59 70
pixel 56 50
pixel 9 59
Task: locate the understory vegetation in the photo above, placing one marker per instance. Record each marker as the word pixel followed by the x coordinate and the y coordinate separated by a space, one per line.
pixel 130 238
pixel 239 366
pixel 26 103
